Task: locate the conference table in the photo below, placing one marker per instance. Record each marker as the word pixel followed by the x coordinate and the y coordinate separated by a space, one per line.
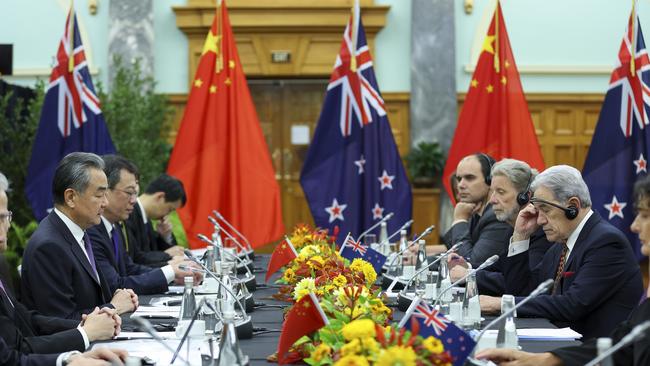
pixel 270 318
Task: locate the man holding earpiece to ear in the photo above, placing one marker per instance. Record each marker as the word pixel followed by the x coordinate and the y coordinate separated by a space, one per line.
pixel 597 280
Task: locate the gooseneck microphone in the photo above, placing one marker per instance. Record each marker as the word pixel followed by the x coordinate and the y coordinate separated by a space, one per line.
pixel 636 333
pixel 189 328
pixel 384 219
pixel 440 257
pixel 426 231
pixel 221 229
pixel 403 227
pixel 543 287
pixel 235 257
pixel 147 327
pixel 246 332
pixel 220 217
pixel 488 262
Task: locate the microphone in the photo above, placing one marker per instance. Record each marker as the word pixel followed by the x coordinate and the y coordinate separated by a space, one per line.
pixel 220 228
pixel 636 333
pixel 404 227
pixel 220 217
pixel 488 262
pixel 443 255
pixel 384 219
pixel 248 298
pixel 425 232
pixel 247 332
pixel 189 328
pixel 543 287
pixel 239 260
pixel 147 327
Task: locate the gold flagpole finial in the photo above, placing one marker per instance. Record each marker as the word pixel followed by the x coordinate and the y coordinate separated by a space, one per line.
pixel 356 13
pixel 633 40
pixel 496 39
pixel 71 37
pixel 218 66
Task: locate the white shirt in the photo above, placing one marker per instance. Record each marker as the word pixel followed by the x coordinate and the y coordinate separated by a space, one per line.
pixel 144 214
pixel 521 246
pixel 167 270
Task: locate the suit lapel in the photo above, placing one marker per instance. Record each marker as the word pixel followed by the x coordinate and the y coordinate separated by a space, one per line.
pixel 577 247
pixel 76 247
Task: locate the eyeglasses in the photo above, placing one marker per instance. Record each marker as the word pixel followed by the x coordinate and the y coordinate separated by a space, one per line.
pixel 131 194
pixel 6 217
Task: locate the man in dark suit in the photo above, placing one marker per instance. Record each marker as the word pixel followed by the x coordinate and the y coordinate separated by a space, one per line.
pixel 475 224
pixel 107 237
pixel 59 274
pixel 156 247
pixel 637 353
pixel 31 332
pixel 597 280
pixel 510 185
pixel 11 357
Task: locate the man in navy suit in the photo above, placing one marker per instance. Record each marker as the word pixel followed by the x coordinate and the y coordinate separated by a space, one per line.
pixel 156 247
pixel 59 274
pixel 108 236
pixel 31 332
pixel 597 281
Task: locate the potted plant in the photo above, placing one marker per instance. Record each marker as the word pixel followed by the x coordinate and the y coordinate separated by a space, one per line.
pixel 425 163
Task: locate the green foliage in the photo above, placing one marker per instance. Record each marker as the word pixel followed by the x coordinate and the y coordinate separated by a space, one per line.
pixel 18 124
pixel 17 241
pixel 138 119
pixel 426 160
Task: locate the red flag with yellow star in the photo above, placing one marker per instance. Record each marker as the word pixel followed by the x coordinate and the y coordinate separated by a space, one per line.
pixel 306 316
pixel 495 119
pixel 282 255
pixel 220 153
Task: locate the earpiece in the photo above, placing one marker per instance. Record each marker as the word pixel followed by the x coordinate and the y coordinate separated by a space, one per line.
pixel 524 197
pixel 570 212
pixel 486 166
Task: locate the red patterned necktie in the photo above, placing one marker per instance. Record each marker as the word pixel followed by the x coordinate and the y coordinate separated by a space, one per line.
pixel 560 269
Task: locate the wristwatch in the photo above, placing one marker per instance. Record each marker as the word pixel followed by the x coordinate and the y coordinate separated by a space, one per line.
pixel 67 356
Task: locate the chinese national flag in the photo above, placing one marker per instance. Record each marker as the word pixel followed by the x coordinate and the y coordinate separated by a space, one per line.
pixel 220 153
pixel 495 119
pixel 282 254
pixel 306 316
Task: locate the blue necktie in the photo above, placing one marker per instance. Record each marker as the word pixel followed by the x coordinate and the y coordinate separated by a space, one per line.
pixel 91 256
pixel 115 236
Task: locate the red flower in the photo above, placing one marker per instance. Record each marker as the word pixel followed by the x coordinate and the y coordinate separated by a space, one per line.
pixel 568 274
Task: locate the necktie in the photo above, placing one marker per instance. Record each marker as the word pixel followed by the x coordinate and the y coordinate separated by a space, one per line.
pixel 126 237
pixel 115 236
pixel 2 287
pixel 91 256
pixel 560 269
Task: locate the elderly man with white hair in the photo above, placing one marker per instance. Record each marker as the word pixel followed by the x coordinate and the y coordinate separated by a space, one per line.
pixel 597 282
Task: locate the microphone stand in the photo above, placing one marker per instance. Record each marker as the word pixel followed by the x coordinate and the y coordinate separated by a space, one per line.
pixel 636 333
pixel 403 227
pixel 543 287
pixel 394 258
pixel 384 219
pixel 189 328
pixel 220 217
pixel 248 298
pixel 488 262
pixel 242 247
pixel 245 328
pixel 251 282
pixel 147 327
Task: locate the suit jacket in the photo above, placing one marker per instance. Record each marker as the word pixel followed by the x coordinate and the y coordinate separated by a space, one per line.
pixel 482 237
pixel 491 281
pixel 636 353
pixel 123 273
pixel 11 357
pixel 600 286
pixel 57 278
pixel 30 332
pixel 148 247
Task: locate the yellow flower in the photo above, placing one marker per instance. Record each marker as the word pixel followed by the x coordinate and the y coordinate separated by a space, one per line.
pixel 289 275
pixel 305 286
pixel 339 281
pixel 359 265
pixel 360 328
pixel 321 352
pixel 371 345
pixel 396 356
pixel 352 360
pixel 433 345
pixel 318 259
pixel 308 251
pixel 351 348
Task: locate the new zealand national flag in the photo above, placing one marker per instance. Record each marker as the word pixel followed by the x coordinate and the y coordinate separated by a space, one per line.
pixel 352 249
pixel 71 119
pixel 432 323
pixel 353 175
pixel 619 149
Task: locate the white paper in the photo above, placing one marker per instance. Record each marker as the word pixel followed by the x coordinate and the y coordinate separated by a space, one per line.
pixel 300 135
pixel 156 351
pixel 544 334
pixel 144 335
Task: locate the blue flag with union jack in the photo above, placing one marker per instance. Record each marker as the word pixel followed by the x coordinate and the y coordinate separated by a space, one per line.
pixel 619 148
pixel 353 175
pixel 352 249
pixel 71 119
pixel 432 323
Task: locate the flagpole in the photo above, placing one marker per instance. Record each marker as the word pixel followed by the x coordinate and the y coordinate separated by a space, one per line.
pixel 633 40
pixel 218 66
pixel 356 14
pixel 71 37
pixel 496 38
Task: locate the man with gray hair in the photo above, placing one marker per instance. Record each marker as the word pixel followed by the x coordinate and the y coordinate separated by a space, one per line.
pixel 597 281
pixel 59 275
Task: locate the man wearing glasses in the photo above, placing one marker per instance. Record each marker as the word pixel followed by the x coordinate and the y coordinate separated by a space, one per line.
pixel 109 236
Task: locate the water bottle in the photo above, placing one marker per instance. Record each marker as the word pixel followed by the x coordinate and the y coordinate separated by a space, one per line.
pixel 383 238
pixel 421 260
pixel 471 305
pixel 444 282
pixel 602 345
pixel 188 305
pixel 507 336
pixel 208 258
